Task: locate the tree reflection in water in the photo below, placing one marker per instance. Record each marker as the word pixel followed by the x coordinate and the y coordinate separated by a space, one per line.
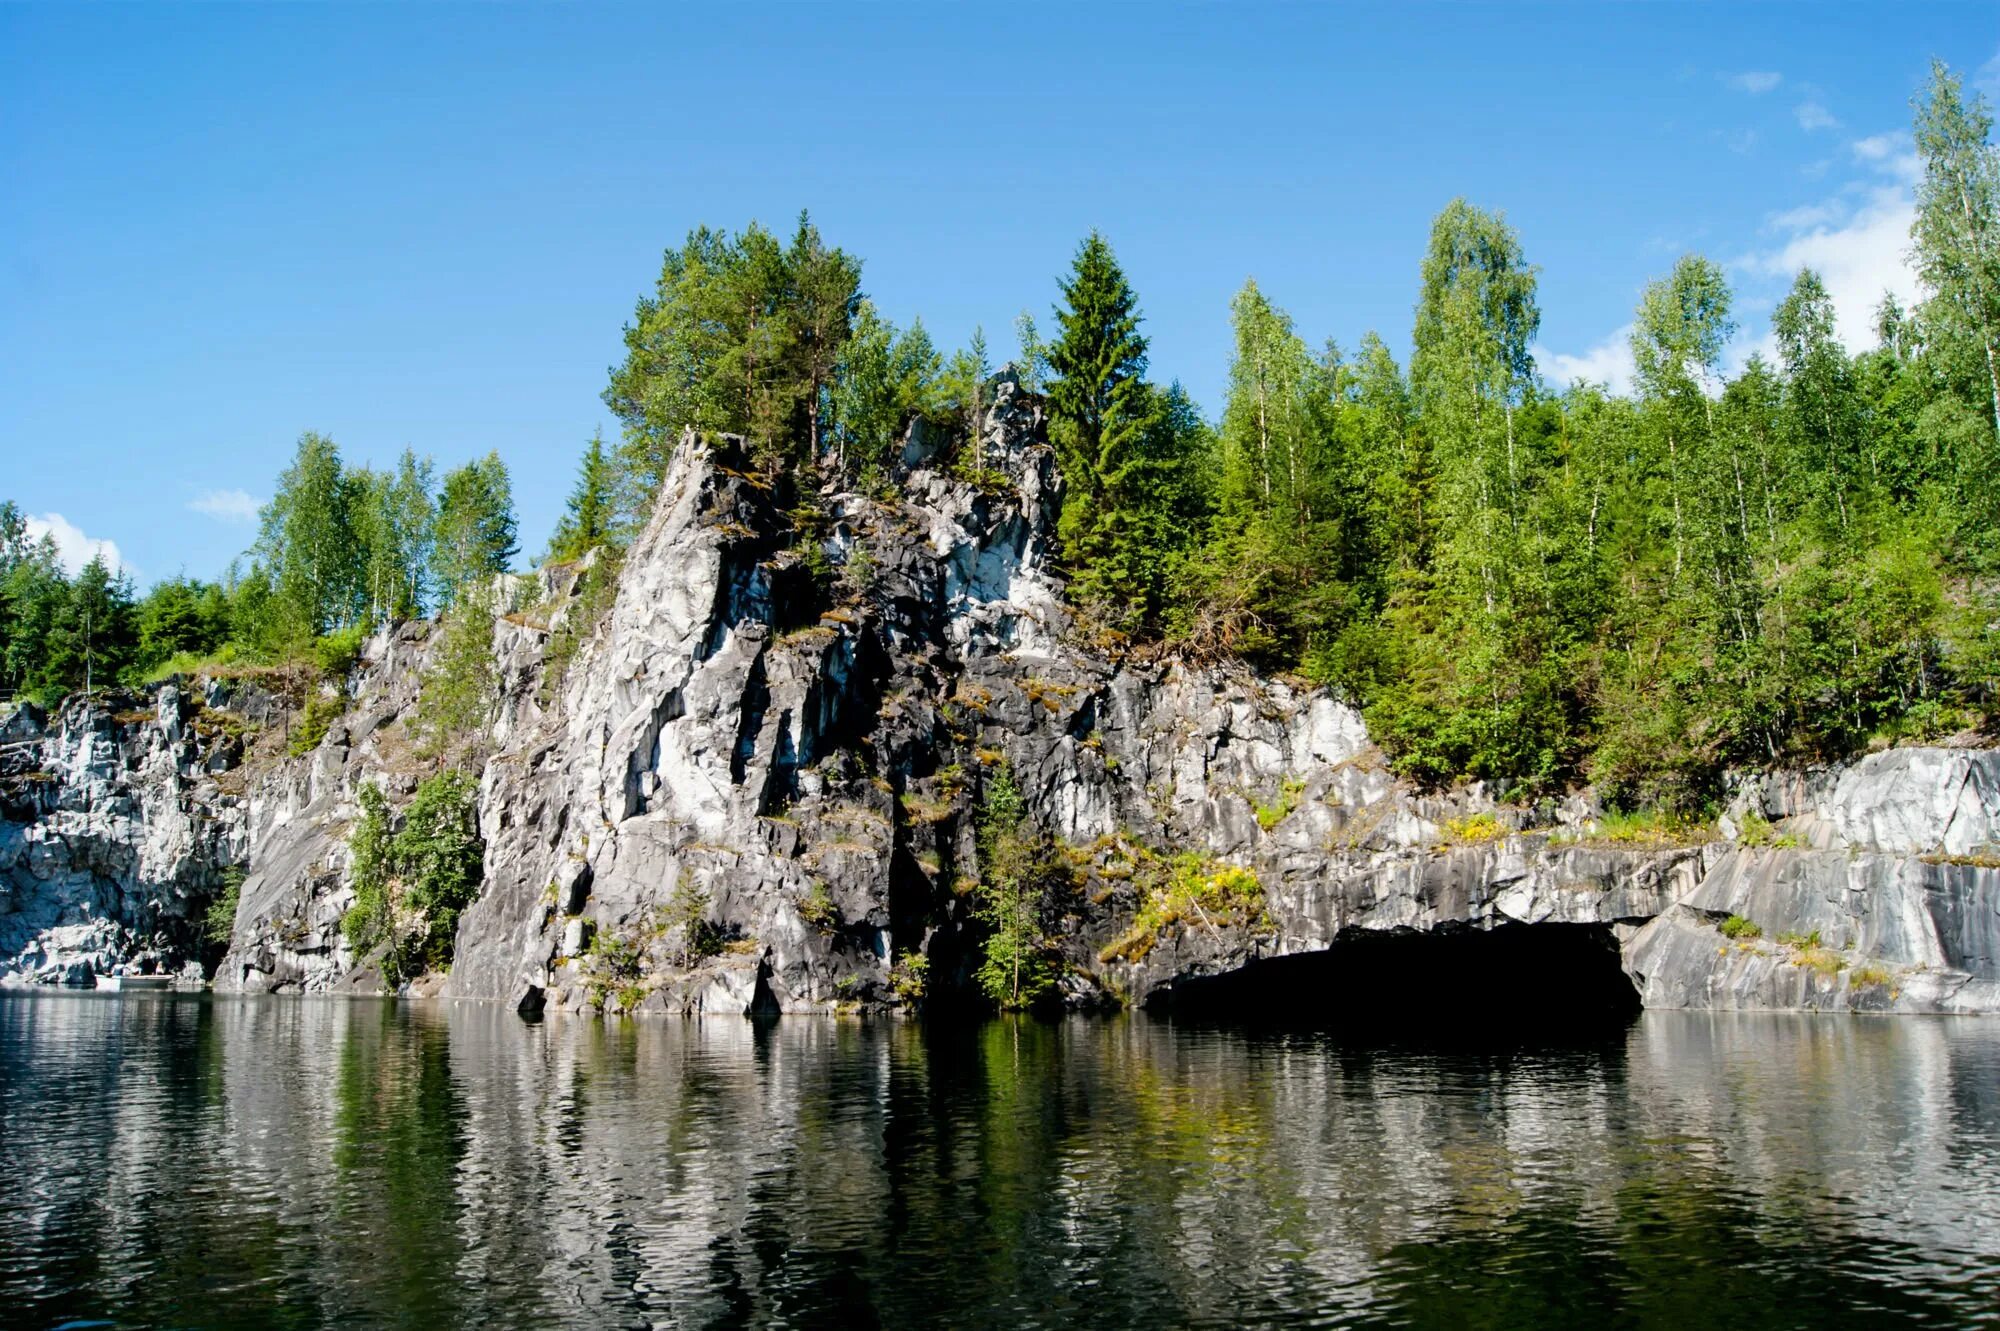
pixel 275 1162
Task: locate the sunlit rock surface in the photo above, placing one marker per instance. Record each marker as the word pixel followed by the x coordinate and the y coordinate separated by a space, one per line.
pixel 793 747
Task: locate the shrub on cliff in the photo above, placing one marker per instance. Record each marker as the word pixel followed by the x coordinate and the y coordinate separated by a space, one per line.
pixel 410 887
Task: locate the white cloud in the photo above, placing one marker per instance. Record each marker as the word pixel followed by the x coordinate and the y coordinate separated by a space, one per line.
pixel 1608 363
pixel 1987 78
pixel 1858 260
pixel 237 506
pixel 1891 154
pixel 1756 82
pixel 1740 141
pixel 1814 116
pixel 1809 216
pixel 73 548
pixel 1876 147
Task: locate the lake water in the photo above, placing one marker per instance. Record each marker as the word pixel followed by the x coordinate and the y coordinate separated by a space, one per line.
pixel 182 1161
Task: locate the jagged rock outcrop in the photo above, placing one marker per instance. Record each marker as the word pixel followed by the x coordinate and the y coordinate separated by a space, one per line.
pixel 117 819
pixel 752 784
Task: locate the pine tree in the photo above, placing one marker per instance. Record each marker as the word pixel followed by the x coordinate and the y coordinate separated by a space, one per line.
pixel 964 386
pixel 1480 680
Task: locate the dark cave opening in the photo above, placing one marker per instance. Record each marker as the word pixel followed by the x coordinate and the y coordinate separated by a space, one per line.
pixel 1516 979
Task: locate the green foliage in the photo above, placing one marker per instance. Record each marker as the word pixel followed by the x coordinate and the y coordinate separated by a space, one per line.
pixel 1755 831
pixel 1270 815
pixel 312 722
pixel 410 887
pixel 179 617
pixel 337 653
pixel 909 977
pixel 887 380
pixel 615 966
pixel 742 335
pixel 1125 447
pixel 457 690
pixel 1657 828
pixel 369 919
pixel 597 589
pixel 1738 927
pixel 308 544
pixel 590 519
pixel 1018 967
pixel 474 536
pixel 1189 891
pixel 218 923
pixel 817 910
pixel 686 916
pixel 339 551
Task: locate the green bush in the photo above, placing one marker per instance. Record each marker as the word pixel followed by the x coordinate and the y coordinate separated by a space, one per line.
pixel 1189 890
pixel 219 921
pixel 1738 927
pixel 1270 815
pixel 410 888
pixel 816 908
pixel 337 653
pixel 457 691
pixel 312 723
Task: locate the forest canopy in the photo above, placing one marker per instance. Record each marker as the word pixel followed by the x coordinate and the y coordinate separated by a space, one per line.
pixel 1514 579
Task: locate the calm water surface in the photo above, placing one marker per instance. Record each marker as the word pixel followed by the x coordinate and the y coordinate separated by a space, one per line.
pixel 180 1161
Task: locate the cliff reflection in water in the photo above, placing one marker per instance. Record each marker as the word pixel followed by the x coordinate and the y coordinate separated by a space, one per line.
pixel 272 1162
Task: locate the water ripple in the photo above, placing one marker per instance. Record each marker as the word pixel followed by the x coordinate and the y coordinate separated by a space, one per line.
pixel 181 1161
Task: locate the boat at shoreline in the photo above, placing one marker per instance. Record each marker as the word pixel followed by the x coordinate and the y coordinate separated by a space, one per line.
pixel 118 983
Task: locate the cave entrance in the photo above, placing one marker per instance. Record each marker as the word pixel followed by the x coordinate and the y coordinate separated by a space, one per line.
pixel 1513 980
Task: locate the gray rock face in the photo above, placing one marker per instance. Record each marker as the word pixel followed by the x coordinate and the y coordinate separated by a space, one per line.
pixel 114 828
pixel 753 785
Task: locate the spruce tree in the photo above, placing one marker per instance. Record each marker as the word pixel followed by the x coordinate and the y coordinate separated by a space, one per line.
pixel 587 521
pixel 824 296
pixel 1102 415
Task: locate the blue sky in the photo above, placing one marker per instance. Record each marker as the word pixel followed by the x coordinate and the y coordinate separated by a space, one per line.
pixel 426 225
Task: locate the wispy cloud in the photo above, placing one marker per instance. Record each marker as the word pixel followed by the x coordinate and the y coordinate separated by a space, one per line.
pixel 1741 140
pixel 1813 116
pixel 1608 363
pixel 1808 216
pixel 1892 154
pixel 235 506
pixel 1875 147
pixel 1756 82
pixel 74 548
pixel 1987 77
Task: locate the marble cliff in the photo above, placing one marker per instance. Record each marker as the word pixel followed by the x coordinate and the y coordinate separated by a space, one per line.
pixel 793 731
